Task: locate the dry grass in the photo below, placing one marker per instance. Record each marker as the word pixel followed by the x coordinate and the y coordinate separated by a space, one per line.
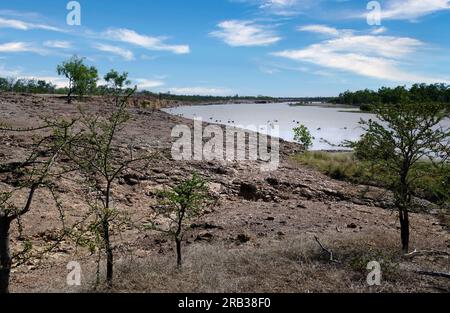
pixel 433 183
pixel 296 265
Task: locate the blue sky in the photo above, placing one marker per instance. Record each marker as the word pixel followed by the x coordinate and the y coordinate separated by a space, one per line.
pixel 227 47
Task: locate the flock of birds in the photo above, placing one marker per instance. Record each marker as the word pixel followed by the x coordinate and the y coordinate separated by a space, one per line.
pixel 269 122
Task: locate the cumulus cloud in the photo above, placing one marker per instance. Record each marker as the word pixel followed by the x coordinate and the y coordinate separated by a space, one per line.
pixel 144 41
pixel 245 33
pixel 321 29
pixel 366 55
pixel 411 9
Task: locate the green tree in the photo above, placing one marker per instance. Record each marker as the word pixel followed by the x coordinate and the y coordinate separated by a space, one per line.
pixel 116 83
pixel 82 79
pixel 180 205
pixel 303 136
pixel 403 136
pixel 4 84
pixel 101 161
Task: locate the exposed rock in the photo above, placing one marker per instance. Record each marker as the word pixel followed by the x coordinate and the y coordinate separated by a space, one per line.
pixel 249 191
pixel 206 226
pixel 215 188
pixel 273 181
pixel 204 237
pixel 243 238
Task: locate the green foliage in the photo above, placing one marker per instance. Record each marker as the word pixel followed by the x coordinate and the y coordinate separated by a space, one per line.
pixel 303 136
pixel 100 162
pixel 417 93
pixel 82 79
pixel 399 140
pixel 117 81
pixel 180 205
pixel 390 263
pixel 433 181
pixel 27 177
pixel 26 86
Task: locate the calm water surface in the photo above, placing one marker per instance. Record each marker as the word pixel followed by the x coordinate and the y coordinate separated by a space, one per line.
pixel 327 124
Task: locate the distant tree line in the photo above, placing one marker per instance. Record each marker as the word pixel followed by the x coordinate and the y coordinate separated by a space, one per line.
pixel 27 86
pixel 385 95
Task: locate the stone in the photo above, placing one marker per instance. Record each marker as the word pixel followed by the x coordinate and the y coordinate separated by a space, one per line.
pixel 243 238
pixel 248 191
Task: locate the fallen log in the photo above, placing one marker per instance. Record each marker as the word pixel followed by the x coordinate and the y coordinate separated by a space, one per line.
pixel 329 252
pixel 434 274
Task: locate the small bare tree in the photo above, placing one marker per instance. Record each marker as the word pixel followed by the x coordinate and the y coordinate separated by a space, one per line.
pixel 33 173
pixel 178 206
pixel 101 161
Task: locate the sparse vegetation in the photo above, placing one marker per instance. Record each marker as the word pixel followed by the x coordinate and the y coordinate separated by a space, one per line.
pixel 262 244
pixel 82 79
pixel 433 183
pixel 28 177
pixel 303 136
pixel 180 205
pixel 101 162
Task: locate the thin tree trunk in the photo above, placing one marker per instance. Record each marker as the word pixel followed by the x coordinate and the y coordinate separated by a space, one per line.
pixel 109 253
pixel 404 205
pixel 178 236
pixel 5 256
pixel 107 242
pixel 179 260
pixel 404 229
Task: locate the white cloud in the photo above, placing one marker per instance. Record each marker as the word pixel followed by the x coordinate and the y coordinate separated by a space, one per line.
pixel 286 8
pixel 201 91
pixel 147 42
pixel 124 53
pixel 58 44
pixel 59 82
pixel 18 73
pixel 4 72
pixel 281 3
pixel 371 56
pixel 145 84
pixel 321 29
pixel 21 25
pixel 11 47
pixel 245 33
pixel 411 9
pixel 379 30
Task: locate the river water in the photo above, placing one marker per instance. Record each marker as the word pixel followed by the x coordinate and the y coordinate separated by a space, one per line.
pixel 328 124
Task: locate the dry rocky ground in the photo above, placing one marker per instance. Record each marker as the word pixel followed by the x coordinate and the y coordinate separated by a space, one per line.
pixel 259 237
